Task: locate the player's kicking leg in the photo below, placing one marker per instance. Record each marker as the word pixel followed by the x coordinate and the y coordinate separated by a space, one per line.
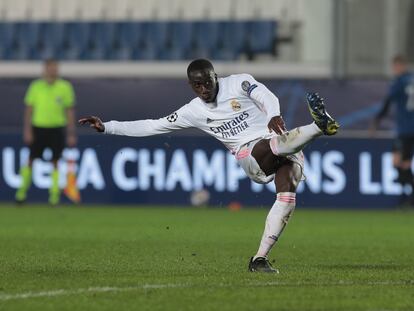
pixel 295 140
pixel 286 181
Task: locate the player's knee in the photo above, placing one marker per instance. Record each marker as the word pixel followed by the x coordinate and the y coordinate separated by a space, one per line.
pixel 279 147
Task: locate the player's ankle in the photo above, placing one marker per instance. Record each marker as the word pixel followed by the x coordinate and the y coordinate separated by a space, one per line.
pixel 259 255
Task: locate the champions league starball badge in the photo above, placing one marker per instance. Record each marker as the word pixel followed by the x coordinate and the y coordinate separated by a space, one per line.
pixel 172 117
pixel 245 85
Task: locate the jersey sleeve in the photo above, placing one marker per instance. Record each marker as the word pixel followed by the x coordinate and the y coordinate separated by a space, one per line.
pixel 180 119
pixel 30 96
pixel 264 99
pixel 69 96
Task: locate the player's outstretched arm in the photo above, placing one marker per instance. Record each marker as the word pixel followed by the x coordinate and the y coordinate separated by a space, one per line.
pixel 141 128
pixel 93 122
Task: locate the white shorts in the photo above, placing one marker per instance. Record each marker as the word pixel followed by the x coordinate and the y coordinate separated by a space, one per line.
pixel 252 168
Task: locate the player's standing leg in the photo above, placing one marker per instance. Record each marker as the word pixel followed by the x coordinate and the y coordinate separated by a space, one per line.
pixel 286 181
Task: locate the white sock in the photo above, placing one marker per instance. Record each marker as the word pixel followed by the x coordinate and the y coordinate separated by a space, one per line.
pixel 294 140
pixel 276 221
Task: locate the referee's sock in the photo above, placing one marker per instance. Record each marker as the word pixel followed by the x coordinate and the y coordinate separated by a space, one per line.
pixel 26 180
pixel 54 191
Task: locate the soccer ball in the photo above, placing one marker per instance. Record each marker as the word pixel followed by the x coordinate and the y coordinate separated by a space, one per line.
pixel 200 197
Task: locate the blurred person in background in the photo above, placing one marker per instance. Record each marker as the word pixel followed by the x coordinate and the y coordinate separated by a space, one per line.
pixel 245 116
pixel 401 95
pixel 49 122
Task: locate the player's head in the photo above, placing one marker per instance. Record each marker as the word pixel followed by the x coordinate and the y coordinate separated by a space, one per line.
pixel 399 65
pixel 203 79
pixel 51 70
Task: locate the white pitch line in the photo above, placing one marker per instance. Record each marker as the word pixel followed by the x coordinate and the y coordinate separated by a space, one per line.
pixel 66 292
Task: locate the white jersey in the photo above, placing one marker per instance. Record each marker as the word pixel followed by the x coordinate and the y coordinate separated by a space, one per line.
pixel 240 114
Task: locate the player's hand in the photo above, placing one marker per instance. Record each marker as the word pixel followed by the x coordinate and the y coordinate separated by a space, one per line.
pixel 277 125
pixel 28 137
pixel 93 122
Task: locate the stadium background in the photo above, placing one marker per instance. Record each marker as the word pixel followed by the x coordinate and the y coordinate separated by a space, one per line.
pixel 127 60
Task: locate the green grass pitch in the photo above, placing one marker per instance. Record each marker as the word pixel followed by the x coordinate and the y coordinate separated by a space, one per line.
pixel 157 258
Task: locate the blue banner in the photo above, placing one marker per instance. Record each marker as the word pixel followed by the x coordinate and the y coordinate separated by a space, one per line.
pixel 166 170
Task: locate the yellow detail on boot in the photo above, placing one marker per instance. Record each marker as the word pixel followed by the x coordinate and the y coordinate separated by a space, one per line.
pixel 332 128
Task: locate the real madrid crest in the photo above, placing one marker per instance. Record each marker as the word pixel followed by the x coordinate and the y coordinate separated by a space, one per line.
pixel 235 105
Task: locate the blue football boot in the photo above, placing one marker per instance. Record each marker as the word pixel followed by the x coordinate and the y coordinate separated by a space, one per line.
pixel 323 120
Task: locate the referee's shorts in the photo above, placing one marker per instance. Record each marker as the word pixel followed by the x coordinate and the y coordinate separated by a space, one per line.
pixel 404 145
pixel 53 138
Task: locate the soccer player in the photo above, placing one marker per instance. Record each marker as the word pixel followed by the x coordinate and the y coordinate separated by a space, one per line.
pixel 401 94
pixel 49 113
pixel 245 116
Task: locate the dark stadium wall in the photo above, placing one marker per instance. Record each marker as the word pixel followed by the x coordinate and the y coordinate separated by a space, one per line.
pixel 353 102
pixel 349 173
